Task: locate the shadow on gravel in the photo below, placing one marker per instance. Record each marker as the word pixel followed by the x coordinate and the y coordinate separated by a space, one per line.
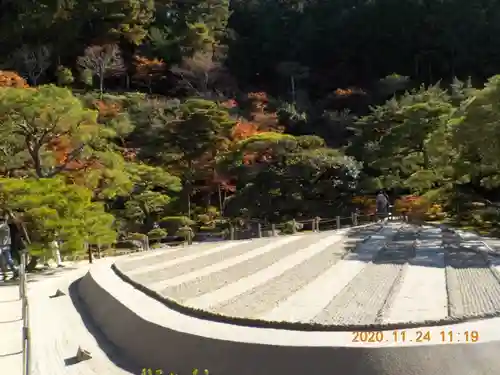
pixel 114 354
pixel 465 259
pixel 414 245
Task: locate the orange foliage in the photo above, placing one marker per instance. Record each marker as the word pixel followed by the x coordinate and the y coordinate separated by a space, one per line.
pixel 12 79
pixel 147 70
pixel 348 92
pixel 366 204
pixel 61 148
pixel 107 110
pixel 412 205
pixel 260 114
pixel 243 130
pixel 419 208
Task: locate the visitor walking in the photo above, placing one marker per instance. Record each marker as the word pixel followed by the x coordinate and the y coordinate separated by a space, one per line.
pixel 5 247
pixel 382 203
pixel 56 253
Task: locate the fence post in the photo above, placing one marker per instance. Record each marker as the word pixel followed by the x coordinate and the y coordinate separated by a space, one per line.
pixel 354 219
pixel 338 222
pixel 259 230
pixel 273 229
pixel 190 236
pixel 231 232
pixel 313 226
pixel 294 226
pixel 89 252
pixel 22 268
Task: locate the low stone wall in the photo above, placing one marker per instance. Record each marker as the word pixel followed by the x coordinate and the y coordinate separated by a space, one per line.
pixel 154 336
pixel 153 346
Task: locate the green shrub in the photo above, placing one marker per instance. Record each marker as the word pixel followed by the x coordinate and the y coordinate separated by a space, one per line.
pixel 204 219
pixel 185 232
pixel 128 244
pixel 64 76
pixel 173 223
pixel 87 77
pixel 157 234
pixel 292 227
pixel 136 237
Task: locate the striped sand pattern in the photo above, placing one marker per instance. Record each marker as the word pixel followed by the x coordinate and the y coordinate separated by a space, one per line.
pixel 400 274
pixel 267 276
pixel 307 302
pixel 224 264
pixel 188 257
pixel 146 258
pixel 422 294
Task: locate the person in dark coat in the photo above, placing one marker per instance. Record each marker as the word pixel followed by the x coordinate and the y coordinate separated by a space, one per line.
pixel 382 203
pixel 16 243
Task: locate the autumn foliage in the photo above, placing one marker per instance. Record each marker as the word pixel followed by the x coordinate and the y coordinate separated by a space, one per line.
pixel 260 113
pixel 147 70
pixel 418 207
pixel 12 79
pixel 243 130
pixel 348 92
pixel 366 204
pixel 107 110
pixel 62 148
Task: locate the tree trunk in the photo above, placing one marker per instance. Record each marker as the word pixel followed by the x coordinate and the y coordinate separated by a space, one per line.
pixel 89 252
pixel 101 84
pixel 220 200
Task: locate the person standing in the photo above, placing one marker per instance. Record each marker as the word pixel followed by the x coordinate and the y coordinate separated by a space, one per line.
pixel 5 247
pixel 382 203
pixel 56 253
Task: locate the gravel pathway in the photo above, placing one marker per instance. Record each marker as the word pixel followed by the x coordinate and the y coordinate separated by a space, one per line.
pixel 57 330
pixel 216 276
pixel 257 293
pixel 473 289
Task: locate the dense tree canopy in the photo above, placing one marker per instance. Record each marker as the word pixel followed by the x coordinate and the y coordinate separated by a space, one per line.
pixel 186 113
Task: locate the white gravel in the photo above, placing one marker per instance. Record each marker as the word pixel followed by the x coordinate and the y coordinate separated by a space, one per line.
pixel 183 268
pixel 263 276
pixel 181 279
pixel 364 299
pixel 311 300
pixel 361 301
pixel 311 278
pixel 422 294
pixel 160 264
pixel 147 258
pixel 473 289
pixel 57 330
pixel 226 276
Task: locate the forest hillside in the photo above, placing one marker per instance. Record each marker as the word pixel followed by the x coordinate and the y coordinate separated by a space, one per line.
pixel 125 118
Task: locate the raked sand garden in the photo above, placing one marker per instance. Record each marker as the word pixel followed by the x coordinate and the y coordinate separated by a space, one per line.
pixel 395 274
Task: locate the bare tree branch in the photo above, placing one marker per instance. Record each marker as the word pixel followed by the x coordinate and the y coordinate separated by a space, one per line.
pixel 201 73
pixel 32 61
pixel 101 60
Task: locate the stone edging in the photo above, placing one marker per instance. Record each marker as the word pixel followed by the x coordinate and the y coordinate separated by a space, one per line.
pixel 291 326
